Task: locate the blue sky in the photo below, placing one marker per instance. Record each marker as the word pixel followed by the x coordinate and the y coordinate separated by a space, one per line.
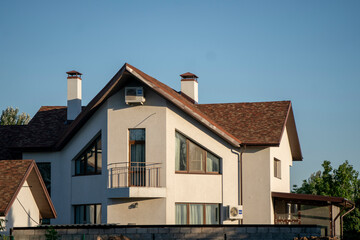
pixel 243 51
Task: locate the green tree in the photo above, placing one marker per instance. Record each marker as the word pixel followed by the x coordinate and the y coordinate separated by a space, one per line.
pixel 51 234
pixel 11 116
pixel 341 182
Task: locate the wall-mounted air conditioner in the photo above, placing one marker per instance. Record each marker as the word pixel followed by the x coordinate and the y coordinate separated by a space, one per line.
pixel 134 95
pixel 235 212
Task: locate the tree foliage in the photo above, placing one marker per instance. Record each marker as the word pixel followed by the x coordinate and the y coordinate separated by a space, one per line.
pixel 51 234
pixel 11 116
pixel 341 182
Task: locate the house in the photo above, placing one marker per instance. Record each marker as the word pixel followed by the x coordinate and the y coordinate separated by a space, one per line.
pixel 24 200
pixel 142 153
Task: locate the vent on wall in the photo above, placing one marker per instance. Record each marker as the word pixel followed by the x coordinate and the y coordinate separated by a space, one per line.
pixel 134 95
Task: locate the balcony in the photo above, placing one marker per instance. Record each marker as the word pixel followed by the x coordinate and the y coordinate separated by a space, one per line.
pixel 135 180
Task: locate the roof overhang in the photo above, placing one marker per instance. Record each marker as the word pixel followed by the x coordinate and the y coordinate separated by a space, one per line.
pixel 117 82
pixel 312 199
pixel 38 190
pixel 193 112
pixel 294 142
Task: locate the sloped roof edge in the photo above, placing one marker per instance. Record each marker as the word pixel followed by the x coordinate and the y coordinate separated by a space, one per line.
pixel 7 209
pixel 32 168
pixel 188 108
pixel 292 135
pixel 104 93
pixel 89 110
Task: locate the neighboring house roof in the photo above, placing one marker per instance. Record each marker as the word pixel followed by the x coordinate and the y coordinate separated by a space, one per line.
pixel 310 199
pixel 8 134
pixel 237 123
pixel 13 174
pixel 44 129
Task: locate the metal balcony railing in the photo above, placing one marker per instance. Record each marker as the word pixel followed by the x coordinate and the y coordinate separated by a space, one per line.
pixel 134 174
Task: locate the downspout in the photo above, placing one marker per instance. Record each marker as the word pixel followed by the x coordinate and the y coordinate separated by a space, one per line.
pixel 240 175
pixel 341 219
pixel 333 223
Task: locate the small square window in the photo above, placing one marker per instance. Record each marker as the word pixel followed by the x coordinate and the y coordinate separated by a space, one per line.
pixel 277 168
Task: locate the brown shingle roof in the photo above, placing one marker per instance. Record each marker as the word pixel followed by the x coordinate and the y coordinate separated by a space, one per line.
pixel 259 123
pixel 44 129
pixel 8 134
pixel 12 173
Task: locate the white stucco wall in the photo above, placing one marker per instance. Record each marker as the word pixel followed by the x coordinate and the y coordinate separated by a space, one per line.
pixel 282 153
pixel 259 180
pixel 146 212
pixel 256 184
pixel 67 189
pixel 198 188
pixel 24 212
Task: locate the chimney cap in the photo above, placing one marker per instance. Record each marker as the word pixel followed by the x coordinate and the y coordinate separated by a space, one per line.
pixel 188 75
pixel 73 73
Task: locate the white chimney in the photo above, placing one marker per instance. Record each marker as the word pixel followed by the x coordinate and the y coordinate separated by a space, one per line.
pixel 189 86
pixel 73 95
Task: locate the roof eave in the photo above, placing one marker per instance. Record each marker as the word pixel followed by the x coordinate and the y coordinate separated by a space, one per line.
pixel 47 196
pixel 230 139
pixel 292 134
pixel 27 173
pixel 94 104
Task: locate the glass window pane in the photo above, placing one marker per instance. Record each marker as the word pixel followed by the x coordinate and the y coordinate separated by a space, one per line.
pixel 90 214
pixel 79 214
pixel 196 156
pixel 137 153
pixel 137 134
pixel 212 163
pixel 180 214
pixel 80 165
pixel 180 153
pixel 45 171
pixel 196 214
pixel 99 156
pixel 277 168
pixel 212 213
pixel 98 214
pixel 90 160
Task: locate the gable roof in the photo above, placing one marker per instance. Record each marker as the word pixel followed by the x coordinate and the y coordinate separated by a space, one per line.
pixel 257 123
pixel 13 174
pixel 237 123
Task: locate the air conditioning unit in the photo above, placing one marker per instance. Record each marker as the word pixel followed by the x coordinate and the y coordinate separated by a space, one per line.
pixel 134 95
pixel 235 212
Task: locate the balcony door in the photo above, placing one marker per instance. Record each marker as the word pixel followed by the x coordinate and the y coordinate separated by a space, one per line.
pixel 137 173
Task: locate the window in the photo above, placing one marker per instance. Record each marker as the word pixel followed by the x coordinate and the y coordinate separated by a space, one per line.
pixel 277 168
pixel 45 172
pixel 87 214
pixel 189 157
pixel 137 173
pixel 89 162
pixel 197 213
